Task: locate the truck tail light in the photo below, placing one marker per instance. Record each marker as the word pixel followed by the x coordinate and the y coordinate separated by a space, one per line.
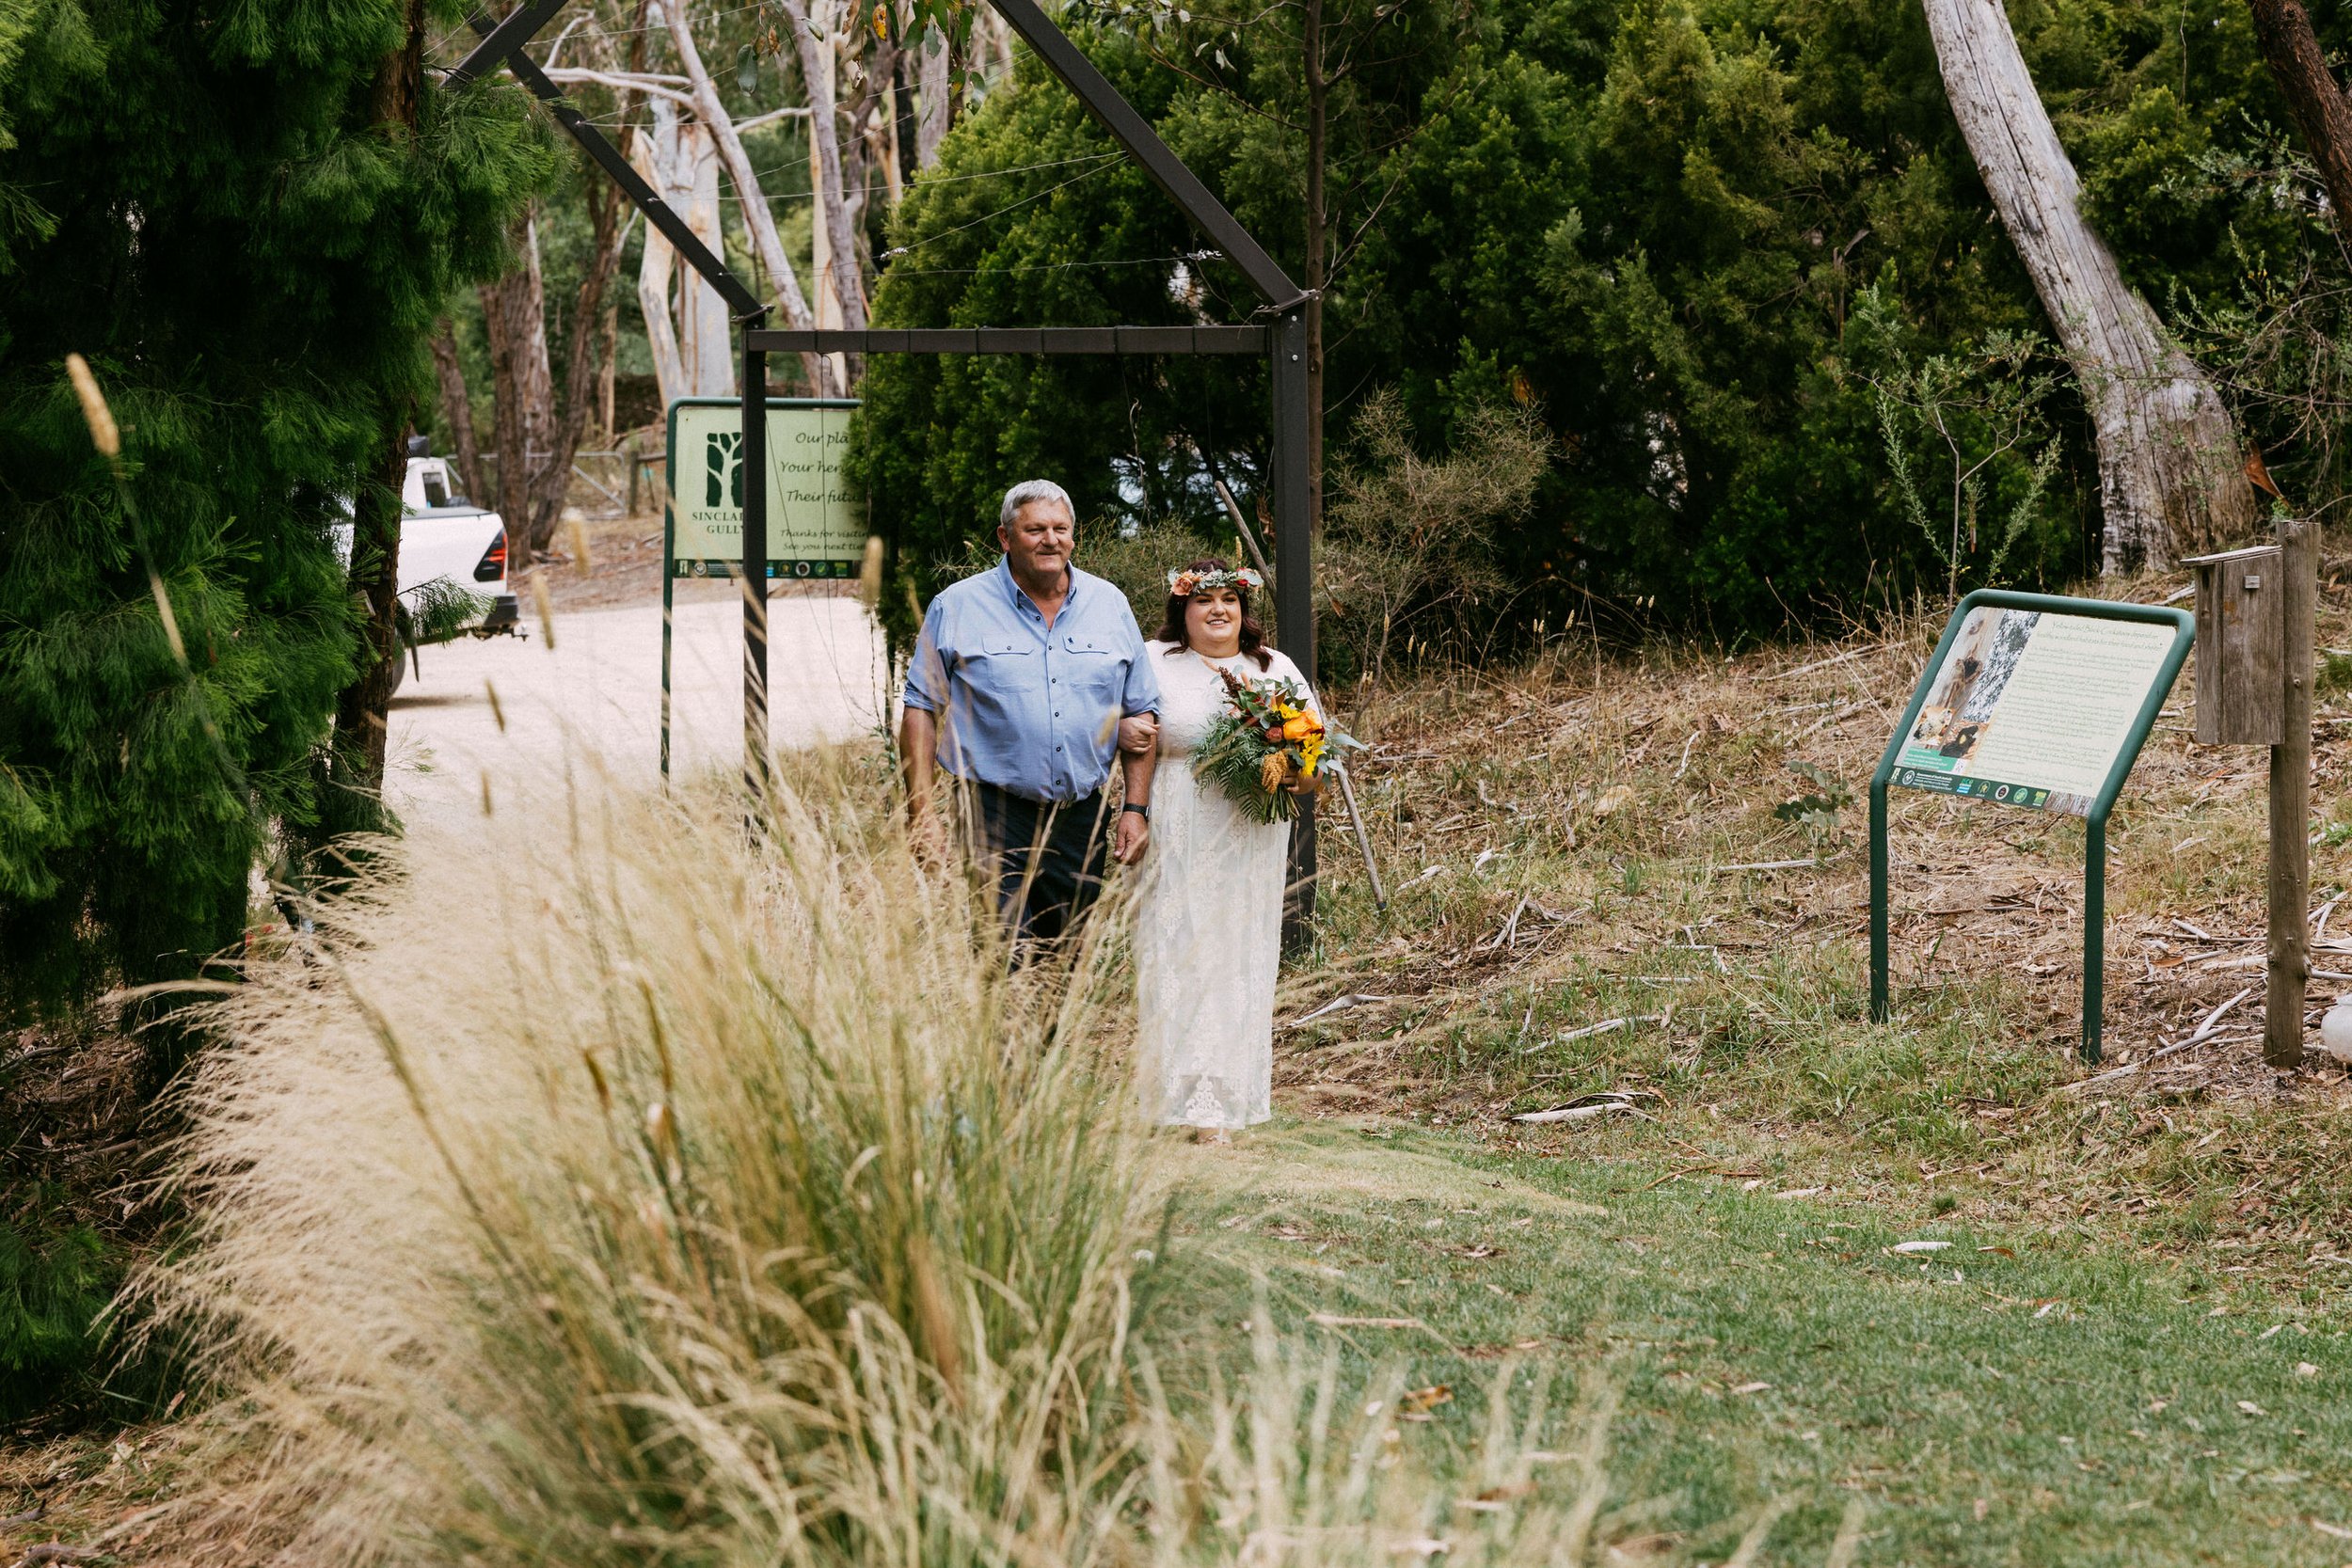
pixel 492 565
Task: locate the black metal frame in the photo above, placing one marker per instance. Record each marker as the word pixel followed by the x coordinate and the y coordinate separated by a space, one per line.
pixel 1284 342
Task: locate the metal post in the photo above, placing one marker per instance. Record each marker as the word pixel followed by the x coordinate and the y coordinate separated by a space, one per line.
pixel 1292 495
pixel 2094 927
pixel 1879 1006
pixel 754 472
pixel 2290 888
pixel 669 608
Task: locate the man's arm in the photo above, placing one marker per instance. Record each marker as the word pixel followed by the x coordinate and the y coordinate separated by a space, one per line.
pixel 918 752
pixel 1135 832
pixel 918 725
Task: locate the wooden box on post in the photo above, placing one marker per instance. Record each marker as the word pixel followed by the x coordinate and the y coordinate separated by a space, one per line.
pixel 2241 647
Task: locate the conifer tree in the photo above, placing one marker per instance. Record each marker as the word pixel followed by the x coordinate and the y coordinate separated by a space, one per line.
pixel 211 202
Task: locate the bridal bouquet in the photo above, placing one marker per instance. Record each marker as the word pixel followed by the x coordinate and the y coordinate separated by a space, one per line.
pixel 1264 740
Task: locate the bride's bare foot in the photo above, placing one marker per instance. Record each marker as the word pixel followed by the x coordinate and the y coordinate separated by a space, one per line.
pixel 1217 1136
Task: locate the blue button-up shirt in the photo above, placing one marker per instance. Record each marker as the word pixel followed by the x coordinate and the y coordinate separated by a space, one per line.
pixel 1030 708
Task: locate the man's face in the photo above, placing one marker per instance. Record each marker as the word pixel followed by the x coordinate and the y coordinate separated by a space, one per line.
pixel 1039 538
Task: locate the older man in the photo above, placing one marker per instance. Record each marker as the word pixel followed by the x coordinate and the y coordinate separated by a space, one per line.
pixel 1019 688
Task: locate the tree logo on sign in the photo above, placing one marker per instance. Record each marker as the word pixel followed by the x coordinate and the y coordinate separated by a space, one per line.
pixel 722 468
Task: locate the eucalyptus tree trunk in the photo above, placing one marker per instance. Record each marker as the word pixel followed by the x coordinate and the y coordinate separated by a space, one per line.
pixel 930 101
pixel 515 319
pixel 657 267
pixel 2169 461
pixel 751 198
pixel 1317 246
pixel 2322 115
pixel 840 286
pixel 551 477
pixel 457 409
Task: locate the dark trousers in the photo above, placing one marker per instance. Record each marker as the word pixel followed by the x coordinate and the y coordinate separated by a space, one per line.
pixel 1046 859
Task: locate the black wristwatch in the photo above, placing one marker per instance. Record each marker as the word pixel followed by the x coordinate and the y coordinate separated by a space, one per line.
pixel 1144 811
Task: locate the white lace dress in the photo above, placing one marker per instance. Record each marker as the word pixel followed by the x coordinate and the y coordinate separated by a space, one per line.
pixel 1209 928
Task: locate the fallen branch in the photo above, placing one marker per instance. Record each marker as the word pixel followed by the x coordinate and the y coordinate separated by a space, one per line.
pixel 1509 934
pixel 56 1551
pixel 1333 1320
pixel 1767 865
pixel 30 1516
pixel 1580 1110
pixel 2205 1031
pixel 1819 664
pixel 1828 719
pixel 1337 1005
pixel 1356 820
pixel 1604 1027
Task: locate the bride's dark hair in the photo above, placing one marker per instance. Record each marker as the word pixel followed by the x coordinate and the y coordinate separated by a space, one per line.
pixel 1172 623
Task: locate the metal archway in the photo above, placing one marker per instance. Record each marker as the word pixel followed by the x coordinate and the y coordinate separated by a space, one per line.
pixel 1283 341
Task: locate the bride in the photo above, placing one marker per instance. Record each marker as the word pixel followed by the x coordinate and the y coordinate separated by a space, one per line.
pixel 1209 927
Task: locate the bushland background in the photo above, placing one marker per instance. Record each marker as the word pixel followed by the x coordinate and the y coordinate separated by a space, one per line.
pixel 1675 372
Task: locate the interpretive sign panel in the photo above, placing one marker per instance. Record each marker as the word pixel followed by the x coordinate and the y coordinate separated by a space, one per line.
pixel 815 527
pixel 2038 702
pixel 2033 708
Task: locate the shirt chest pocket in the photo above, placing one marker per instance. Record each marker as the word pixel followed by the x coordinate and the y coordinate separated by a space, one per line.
pixel 1003 665
pixel 1091 666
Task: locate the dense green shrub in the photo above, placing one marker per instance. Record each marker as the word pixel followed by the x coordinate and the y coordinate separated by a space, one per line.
pixel 1648 220
pixel 54 1285
pixel 205 202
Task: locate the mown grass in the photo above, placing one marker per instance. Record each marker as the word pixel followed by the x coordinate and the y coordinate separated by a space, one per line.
pixel 2048 1401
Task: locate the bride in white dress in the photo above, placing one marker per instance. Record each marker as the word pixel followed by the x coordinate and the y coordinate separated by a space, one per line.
pixel 1209 926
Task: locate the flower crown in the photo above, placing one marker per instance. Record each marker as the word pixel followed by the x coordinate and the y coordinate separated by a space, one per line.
pixel 1184 584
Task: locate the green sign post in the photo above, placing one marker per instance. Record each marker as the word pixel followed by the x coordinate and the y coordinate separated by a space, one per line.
pixel 2037 702
pixel 815 527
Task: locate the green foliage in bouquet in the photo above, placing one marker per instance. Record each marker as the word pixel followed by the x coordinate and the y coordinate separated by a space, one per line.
pixel 1268 739
pixel 1233 757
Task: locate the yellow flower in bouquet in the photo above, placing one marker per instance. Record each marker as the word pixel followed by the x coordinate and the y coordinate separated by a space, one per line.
pixel 1267 739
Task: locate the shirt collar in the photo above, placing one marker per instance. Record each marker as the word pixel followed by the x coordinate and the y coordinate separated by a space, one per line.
pixel 1020 599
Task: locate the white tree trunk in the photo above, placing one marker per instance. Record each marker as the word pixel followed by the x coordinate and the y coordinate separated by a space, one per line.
pixel 2169 461
pixel 881 139
pixel 835 261
pixel 816 67
pixel 931 100
pixel 653 291
pixel 754 200
pixel 706 342
pixel 692 348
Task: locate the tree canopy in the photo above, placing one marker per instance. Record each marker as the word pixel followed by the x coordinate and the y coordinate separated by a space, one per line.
pixel 1652 222
pixel 207 202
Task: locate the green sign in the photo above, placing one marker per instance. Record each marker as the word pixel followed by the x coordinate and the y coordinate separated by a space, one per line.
pixel 815 527
pixel 2038 702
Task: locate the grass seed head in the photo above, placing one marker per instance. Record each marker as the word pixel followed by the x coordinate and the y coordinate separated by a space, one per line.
pixel 101 419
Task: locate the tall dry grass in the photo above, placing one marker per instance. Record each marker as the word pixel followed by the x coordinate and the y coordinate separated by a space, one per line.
pixel 668 1196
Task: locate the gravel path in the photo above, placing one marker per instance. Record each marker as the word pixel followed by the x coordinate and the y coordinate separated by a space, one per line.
pixel 587 702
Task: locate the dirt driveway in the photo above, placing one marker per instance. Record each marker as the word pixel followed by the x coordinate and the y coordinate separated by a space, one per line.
pixel 586 702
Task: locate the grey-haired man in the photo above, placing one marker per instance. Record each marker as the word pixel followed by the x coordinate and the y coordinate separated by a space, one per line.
pixel 1019 687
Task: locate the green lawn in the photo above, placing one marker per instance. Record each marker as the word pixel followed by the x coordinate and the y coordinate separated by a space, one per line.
pixel 2037 1403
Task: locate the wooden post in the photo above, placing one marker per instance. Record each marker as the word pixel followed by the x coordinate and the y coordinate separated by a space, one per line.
pixel 2290 798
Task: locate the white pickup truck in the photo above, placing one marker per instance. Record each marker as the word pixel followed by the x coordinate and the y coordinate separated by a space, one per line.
pixel 453 562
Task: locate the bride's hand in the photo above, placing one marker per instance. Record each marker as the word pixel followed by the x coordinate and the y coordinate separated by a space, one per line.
pixel 1303 784
pixel 1138 734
